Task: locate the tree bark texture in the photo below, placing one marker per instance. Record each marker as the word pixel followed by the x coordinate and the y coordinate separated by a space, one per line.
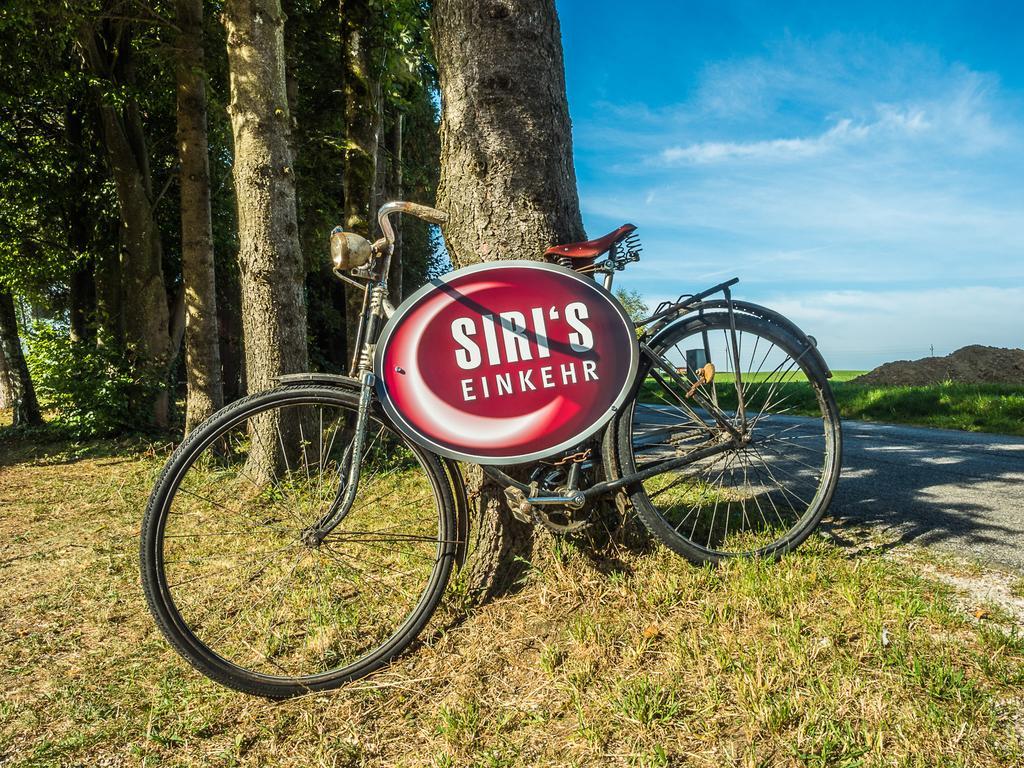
pixel 23 394
pixel 6 385
pixel 144 296
pixel 270 261
pixel 202 347
pixel 82 309
pixel 507 184
pixel 362 125
pixel 507 179
pixel 393 191
pixel 107 278
pixel 83 303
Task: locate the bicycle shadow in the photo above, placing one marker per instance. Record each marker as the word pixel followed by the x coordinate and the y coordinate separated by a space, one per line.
pixel 931 488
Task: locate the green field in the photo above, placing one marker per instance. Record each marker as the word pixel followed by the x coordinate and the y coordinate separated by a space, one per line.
pixel 972 407
pixel 846 375
pixel 727 376
pixel 997 408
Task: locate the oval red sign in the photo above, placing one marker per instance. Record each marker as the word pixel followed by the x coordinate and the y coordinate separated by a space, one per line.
pixel 506 362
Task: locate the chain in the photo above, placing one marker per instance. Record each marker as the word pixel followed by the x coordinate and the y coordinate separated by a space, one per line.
pixel 573 458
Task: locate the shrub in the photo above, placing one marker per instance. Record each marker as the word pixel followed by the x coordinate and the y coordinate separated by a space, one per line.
pixel 96 390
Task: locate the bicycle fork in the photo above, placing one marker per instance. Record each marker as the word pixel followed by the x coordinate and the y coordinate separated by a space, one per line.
pixel 346 495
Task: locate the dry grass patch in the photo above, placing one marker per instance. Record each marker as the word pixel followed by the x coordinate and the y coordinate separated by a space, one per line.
pixel 823 659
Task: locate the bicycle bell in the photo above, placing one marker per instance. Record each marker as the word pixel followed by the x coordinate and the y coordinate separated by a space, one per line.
pixel 349 250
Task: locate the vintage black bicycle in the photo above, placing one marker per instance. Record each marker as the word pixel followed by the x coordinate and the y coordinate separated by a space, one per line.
pixel 302 537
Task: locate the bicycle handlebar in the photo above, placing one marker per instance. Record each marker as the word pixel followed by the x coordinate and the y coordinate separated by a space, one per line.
pixel 424 212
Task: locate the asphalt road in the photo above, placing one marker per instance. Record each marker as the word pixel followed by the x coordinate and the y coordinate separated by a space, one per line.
pixel 958 491
pixel 937 488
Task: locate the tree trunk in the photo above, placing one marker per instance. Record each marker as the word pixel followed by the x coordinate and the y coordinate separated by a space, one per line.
pixel 230 332
pixel 23 394
pixel 362 124
pixel 6 385
pixel 144 308
pixel 83 302
pixel 109 319
pixel 393 190
pixel 202 349
pixel 82 309
pixel 270 261
pixel 507 184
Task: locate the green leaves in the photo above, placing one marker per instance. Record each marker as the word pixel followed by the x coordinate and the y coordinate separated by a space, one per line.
pixel 95 390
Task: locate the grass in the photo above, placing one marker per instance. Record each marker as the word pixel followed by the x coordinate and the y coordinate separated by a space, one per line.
pixel 727 376
pixel 845 375
pixel 996 408
pixel 971 407
pixel 822 659
pixel 236 570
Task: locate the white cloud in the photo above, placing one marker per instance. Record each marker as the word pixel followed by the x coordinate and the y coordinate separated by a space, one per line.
pixel 836 73
pixel 961 121
pixel 866 328
pixel 844 132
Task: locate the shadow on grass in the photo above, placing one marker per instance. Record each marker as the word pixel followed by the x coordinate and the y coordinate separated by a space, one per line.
pixel 52 444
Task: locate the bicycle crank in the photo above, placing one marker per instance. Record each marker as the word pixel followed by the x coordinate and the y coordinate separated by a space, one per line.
pixel 525 508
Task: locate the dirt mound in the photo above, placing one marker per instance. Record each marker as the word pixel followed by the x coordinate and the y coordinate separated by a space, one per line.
pixel 971 365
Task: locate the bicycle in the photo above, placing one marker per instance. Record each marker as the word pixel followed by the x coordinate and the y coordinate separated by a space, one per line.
pixel 303 537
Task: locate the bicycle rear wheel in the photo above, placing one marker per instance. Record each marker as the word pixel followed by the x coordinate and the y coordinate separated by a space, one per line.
pixel 240 590
pixel 762 497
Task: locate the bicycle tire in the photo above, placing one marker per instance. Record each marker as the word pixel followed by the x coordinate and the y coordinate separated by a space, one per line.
pixel 654 519
pixel 183 637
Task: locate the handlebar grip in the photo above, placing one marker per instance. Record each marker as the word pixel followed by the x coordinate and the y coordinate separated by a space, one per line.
pixel 425 212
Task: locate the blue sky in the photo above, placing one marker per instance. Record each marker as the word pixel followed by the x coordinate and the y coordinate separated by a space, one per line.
pixel 861 169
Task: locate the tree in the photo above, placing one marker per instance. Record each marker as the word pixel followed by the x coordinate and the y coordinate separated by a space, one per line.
pixel 316 67
pixel 101 116
pixel 363 123
pixel 270 259
pixel 205 392
pixel 23 394
pixel 107 50
pixel 507 183
pixel 6 384
pixel 633 303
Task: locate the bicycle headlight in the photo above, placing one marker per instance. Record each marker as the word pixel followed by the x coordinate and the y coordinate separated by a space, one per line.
pixel 349 250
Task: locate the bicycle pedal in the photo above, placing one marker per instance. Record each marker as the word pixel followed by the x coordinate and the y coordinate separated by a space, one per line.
pixel 521 509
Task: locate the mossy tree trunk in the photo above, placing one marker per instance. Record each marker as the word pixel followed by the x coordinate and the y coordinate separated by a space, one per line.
pixel 6 385
pixel 393 191
pixel 272 272
pixel 107 53
pixel 82 285
pixel 507 183
pixel 362 140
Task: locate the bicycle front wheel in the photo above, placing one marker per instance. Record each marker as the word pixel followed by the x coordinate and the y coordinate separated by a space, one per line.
pixel 763 495
pixel 238 586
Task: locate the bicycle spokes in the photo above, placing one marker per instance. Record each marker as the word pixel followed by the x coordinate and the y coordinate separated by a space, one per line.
pixel 769 415
pixel 249 582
